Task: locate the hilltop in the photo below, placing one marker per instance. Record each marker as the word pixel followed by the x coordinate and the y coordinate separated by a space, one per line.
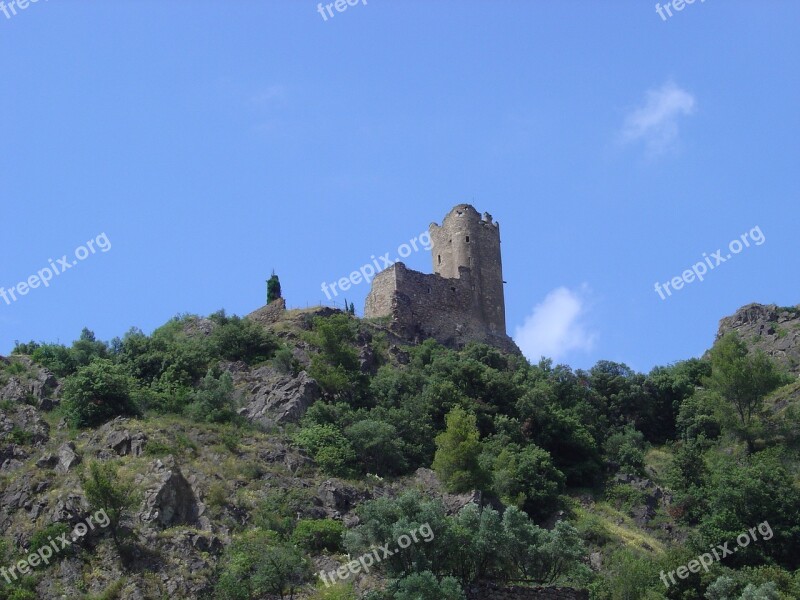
pixel 244 455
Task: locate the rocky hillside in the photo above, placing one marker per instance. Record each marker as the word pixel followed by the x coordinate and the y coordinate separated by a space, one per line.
pixel 771 328
pixel 302 438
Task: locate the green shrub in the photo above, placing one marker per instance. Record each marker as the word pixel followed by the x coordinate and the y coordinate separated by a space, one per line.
pixel 425 586
pixel 213 401
pixel 158 448
pixel 235 338
pixel 329 447
pixel 278 511
pixel 43 537
pixel 316 535
pixel 97 393
pixel 20 436
pixel 256 565
pixel 458 450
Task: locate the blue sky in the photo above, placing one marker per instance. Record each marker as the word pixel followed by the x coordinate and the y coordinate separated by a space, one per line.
pixel 214 141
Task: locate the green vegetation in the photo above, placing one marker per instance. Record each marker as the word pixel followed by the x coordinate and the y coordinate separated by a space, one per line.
pixel 719 435
pixel 316 535
pixel 273 288
pixel 105 490
pixel 256 564
pixel 98 392
pixel 458 449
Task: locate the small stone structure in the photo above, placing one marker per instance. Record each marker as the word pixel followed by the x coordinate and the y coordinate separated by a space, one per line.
pixel 462 300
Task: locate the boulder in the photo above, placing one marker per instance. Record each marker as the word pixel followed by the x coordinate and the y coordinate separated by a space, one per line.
pixel 169 498
pixel 14 391
pixel 67 457
pixel 123 443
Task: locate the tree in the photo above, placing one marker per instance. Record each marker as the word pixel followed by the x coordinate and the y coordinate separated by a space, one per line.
pixel 527 479
pixel 256 565
pixel 273 288
pixel 336 367
pixel 96 393
pixel 378 446
pixel 458 450
pixel 213 401
pixel 742 378
pixel 107 492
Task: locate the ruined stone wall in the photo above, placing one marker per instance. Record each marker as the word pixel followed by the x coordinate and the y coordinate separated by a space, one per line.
pixel 425 305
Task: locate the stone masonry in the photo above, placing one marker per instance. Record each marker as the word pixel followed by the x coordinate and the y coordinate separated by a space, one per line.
pixel 462 300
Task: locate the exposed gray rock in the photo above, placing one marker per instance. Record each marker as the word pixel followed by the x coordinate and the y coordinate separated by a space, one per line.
pixel 125 443
pixel 27 419
pixel 169 498
pixel 69 508
pixel 14 391
pixel 339 499
pixel 276 398
pixel 427 480
pixel 39 385
pixel 67 457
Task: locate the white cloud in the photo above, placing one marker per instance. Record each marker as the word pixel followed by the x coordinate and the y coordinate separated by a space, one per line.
pixel 556 326
pixel 656 123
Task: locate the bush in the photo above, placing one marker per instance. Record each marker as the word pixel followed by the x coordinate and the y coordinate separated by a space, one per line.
pixel 326 444
pixel 255 565
pixel 236 338
pixel 97 393
pixel 316 535
pixel 425 586
pixel 42 538
pixel 626 449
pixel 278 512
pixel 213 401
pixel 527 479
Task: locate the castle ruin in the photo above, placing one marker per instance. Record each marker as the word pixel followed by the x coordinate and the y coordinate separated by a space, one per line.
pixel 462 300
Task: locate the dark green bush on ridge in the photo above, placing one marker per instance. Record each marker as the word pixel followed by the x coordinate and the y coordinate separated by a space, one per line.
pixel 97 393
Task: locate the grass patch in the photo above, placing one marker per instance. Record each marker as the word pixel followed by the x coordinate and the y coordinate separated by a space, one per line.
pixel 614 525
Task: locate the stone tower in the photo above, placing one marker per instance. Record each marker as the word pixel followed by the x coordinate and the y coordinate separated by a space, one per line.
pixel 462 301
pixel 467 240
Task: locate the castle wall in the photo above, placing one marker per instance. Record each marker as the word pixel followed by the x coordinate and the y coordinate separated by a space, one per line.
pixel 425 305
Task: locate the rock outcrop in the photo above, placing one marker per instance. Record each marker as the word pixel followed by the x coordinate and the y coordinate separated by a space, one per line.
pixel 169 498
pixel 773 329
pixel 275 398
